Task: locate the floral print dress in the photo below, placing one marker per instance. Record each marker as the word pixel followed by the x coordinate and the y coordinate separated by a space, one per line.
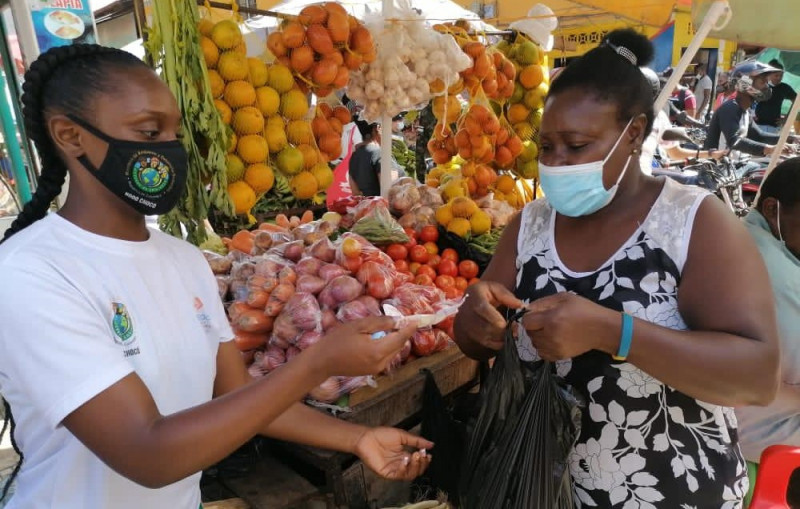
pixel 642 444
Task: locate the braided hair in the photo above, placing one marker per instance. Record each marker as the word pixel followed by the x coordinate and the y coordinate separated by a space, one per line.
pixel 62 80
pixel 611 73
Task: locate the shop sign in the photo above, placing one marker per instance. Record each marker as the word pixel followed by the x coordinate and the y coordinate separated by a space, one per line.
pixel 62 22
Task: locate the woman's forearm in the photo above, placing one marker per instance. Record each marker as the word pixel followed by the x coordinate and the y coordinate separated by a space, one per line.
pixel 715 367
pixel 307 426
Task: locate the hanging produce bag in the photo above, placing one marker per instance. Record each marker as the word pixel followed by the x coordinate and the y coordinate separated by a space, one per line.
pixel 518 449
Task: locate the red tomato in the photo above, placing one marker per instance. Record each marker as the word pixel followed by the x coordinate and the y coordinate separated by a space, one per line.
pixel 423 279
pixel 448 267
pixel 428 271
pixel 423 343
pixel 419 254
pixel 445 282
pixel 379 287
pixel 461 283
pixel 450 254
pixel 452 293
pixel 474 281
pixel 413 267
pixel 411 243
pixel 411 232
pixel 401 265
pixel 352 264
pixel 397 252
pixel 468 269
pixel 434 261
pixel 429 234
pixel 432 248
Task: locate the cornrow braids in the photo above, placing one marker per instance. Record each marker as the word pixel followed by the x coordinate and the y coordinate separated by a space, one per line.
pixel 62 80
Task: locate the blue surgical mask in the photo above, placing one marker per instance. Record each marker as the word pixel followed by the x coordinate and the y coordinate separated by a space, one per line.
pixel 577 190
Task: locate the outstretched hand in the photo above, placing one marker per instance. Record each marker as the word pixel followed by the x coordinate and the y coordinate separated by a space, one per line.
pixel 394 454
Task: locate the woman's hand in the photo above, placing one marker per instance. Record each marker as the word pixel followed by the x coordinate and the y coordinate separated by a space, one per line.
pixel 393 453
pixel 564 326
pixel 349 350
pixel 480 315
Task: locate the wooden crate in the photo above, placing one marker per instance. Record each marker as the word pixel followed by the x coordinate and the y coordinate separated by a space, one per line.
pixel 231 503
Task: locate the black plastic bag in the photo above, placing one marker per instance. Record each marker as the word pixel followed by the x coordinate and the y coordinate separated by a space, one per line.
pixel 518 449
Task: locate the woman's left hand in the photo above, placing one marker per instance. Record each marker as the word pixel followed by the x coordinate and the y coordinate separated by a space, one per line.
pixel 386 452
pixel 565 325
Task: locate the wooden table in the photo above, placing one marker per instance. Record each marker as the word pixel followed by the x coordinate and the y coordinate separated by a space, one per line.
pixel 396 401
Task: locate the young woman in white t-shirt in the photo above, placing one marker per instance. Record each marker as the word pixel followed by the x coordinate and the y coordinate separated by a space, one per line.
pixel 115 352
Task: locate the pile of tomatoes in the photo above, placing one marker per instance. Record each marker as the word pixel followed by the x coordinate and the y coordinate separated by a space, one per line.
pixel 421 257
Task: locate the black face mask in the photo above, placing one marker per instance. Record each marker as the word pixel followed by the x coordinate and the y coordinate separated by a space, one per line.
pixel 148 176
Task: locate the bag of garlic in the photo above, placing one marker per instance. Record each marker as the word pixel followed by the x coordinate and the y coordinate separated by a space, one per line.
pixel 411 58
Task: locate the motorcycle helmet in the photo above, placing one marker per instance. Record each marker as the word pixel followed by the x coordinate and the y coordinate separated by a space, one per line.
pixel 743 78
pixel 652 79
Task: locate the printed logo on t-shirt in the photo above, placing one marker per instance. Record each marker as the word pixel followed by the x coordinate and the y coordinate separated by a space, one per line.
pixel 122 324
pixel 202 316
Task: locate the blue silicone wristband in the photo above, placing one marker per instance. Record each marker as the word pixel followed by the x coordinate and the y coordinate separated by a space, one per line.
pixel 626 338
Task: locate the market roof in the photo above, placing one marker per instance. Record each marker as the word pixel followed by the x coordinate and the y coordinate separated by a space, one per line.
pixel 655 13
pixel 753 23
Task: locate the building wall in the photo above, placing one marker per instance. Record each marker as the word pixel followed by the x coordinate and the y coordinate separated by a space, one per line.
pixel 117 32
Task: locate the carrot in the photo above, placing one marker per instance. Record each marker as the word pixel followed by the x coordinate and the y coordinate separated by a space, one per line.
pixel 294 222
pixel 278 298
pixel 242 241
pixel 288 276
pixel 282 221
pixel 257 299
pixel 236 309
pixel 307 217
pixel 254 320
pixel 272 228
pixel 245 341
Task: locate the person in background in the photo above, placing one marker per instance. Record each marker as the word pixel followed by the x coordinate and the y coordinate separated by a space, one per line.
pixel 649 297
pixel 351 136
pixel 702 91
pixel 365 164
pixel 116 354
pixel 8 203
pixel 681 100
pixel 727 91
pixel 774 224
pixel 768 112
pixel 730 124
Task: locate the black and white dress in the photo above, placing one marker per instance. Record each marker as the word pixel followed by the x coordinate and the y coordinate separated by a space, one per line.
pixel 642 444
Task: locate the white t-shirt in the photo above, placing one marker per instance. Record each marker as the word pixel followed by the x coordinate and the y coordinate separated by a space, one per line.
pixel 703 84
pixel 79 312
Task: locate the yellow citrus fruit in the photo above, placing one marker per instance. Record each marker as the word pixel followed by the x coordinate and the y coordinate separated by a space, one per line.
pixel 460 226
pixel 258 72
pixel 224 110
pixel 294 104
pixel 463 207
pixel 290 161
pixel 226 34
pixel 239 94
pixel 234 168
pixel 534 98
pixel 232 66
pixel 453 189
pixel 518 113
pixel 531 76
pixel 528 169
pixel 480 222
pixel 324 175
pixel 280 78
pixel 536 119
pixel 243 197
pixel 248 120
pixel 210 52
pixel 260 177
pixel 310 155
pixel 444 215
pixel 524 130
pixel 304 185
pixel 217 84
pixel 232 143
pixel 268 101
pixel 530 151
pixel 253 149
pixel 505 184
pixel 299 132
pixel 205 26
pixel 240 48
pixel 275 134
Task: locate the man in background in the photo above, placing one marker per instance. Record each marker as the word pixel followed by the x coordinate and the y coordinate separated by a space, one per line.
pixel 768 112
pixel 702 91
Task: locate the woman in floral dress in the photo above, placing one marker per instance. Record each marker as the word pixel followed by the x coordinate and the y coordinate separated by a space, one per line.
pixel 657 425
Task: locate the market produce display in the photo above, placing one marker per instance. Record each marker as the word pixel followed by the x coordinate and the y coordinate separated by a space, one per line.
pixel 171 46
pixel 287 283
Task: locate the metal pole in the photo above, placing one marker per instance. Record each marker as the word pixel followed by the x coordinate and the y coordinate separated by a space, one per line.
pixel 14 150
pixel 717 10
pixel 386 126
